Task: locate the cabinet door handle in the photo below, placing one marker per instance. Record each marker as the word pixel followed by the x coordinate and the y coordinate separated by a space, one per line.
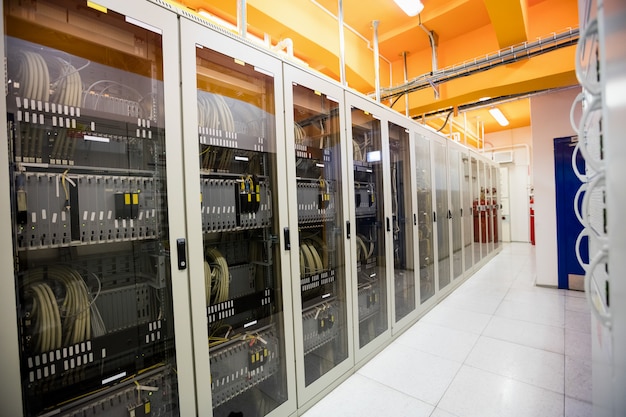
pixel 414 219
pixel 348 229
pixel 435 216
pixel 287 238
pixel 181 249
pixel 388 225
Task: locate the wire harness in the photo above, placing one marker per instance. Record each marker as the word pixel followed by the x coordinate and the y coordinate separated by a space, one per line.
pixel 63 311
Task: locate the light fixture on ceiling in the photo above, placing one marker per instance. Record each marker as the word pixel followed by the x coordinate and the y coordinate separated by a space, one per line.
pixel 500 118
pixel 410 7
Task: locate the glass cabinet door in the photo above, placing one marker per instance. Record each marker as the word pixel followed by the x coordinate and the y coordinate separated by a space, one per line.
pixel 488 207
pixel 426 248
pixel 442 212
pixel 482 208
pixel 456 210
pixel 370 225
pixel 91 160
pixel 402 222
pixel 236 152
pixel 476 212
pixel 468 217
pixel 320 240
pixel 495 202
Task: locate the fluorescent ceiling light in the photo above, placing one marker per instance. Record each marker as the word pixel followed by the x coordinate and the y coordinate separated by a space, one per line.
pixel 410 7
pixel 497 114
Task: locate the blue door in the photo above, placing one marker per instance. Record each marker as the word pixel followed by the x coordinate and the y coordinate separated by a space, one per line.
pixel 567 225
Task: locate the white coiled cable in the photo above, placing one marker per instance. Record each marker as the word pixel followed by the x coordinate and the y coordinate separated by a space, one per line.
pixel 299 134
pixel 69 322
pixel 219 275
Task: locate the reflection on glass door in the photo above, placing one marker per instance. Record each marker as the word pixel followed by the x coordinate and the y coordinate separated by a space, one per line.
pixel 468 217
pixel 320 219
pixel 88 167
pixel 442 212
pixel 370 221
pixel 423 182
pixel 402 225
pixel 457 211
pixel 242 273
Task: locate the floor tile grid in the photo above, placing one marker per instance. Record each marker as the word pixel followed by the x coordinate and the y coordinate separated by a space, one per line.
pixel 572 404
pixel 446 399
pixel 478 277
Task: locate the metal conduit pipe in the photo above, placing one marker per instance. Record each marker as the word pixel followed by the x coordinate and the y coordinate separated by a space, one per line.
pixel 406 78
pixel 353 30
pixel 286 44
pixel 376 60
pixel 342 46
pixel 502 57
pixel 432 38
pixel 481 104
pixel 241 18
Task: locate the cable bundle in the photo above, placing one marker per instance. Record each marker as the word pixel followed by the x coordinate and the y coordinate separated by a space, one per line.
pixel 214 113
pixel 119 102
pixel 310 261
pixel 321 248
pixel 33 76
pixel 299 133
pixel 356 151
pixel 68 87
pixel 34 80
pixel 73 320
pixel 363 252
pixel 216 277
pixel 67 91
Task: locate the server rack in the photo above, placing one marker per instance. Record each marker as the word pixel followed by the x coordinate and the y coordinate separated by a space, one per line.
pixel 489 210
pixel 609 346
pixel 403 223
pixel 426 234
pixel 468 219
pixel 369 136
pixel 441 212
pixel 234 145
pixel 482 210
pixel 495 203
pixel 456 209
pixel 476 208
pixel 92 235
pixel 237 336
pixel 318 232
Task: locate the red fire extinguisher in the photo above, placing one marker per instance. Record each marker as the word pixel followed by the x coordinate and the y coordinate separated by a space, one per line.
pixel 532 220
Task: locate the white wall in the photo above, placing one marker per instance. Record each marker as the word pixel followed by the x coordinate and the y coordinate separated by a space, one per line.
pixel 516 207
pixel 549 119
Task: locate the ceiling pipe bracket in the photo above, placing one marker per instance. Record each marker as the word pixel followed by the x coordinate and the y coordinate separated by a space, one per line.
pixel 435 88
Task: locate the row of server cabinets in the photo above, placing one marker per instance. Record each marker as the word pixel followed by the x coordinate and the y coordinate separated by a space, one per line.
pixel 198 227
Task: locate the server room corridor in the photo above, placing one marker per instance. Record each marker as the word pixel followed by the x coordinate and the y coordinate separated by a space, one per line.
pixel 496 347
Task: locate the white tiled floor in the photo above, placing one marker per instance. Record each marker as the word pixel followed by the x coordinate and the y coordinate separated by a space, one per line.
pixel 497 347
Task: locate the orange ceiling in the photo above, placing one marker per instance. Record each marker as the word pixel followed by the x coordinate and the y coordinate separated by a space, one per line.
pixel 466 29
